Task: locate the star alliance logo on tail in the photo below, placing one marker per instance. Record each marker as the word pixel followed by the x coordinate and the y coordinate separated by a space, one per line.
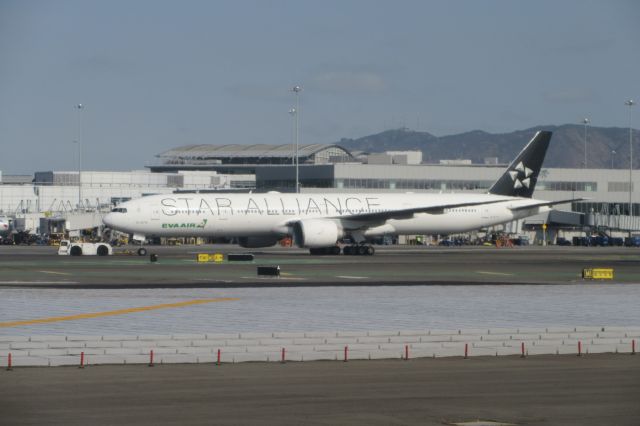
pixel 521 176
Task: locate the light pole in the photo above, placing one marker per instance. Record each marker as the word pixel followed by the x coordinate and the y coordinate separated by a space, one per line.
pixel 613 152
pixel 297 90
pixel 293 112
pixel 79 107
pixel 585 121
pixel 630 103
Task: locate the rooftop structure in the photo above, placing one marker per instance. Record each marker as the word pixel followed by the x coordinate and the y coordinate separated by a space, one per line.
pixel 244 158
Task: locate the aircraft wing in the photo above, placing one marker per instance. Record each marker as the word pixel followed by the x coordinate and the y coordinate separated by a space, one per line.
pixel 408 213
pixel 546 204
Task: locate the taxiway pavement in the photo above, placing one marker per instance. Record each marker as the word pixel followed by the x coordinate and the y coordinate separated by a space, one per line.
pixel 177 267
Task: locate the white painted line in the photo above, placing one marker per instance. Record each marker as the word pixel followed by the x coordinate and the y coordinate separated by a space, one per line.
pixel 276 278
pixel 55 273
pixel 494 273
pixel 351 277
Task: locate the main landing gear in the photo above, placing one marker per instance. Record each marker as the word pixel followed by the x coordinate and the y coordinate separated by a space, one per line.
pixel 321 251
pixel 354 249
pixel 359 250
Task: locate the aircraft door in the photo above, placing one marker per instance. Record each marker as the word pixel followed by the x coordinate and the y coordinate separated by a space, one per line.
pixel 155 213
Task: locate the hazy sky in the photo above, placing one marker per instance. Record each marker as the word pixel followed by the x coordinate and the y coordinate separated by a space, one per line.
pixel 159 74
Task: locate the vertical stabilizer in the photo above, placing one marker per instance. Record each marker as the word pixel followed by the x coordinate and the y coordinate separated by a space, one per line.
pixel 519 180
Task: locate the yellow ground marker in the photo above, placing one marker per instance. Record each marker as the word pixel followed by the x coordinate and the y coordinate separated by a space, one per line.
pixel 113 313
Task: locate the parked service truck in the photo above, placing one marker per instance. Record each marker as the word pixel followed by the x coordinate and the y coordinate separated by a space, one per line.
pixel 84 249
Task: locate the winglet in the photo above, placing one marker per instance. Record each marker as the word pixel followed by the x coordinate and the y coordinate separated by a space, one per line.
pixel 519 180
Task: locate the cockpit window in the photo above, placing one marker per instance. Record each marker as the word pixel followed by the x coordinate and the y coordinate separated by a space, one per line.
pixel 119 210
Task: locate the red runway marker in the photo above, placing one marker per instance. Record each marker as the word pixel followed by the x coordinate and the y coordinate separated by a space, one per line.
pixel 466 350
pixel 151 358
pixel 282 356
pixel 406 352
pixel 81 360
pixel 522 350
pixel 9 368
pixel 579 348
pixel 346 353
pixel 218 362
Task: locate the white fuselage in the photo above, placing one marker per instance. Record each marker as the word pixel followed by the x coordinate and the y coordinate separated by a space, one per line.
pixel 271 214
pixel 5 226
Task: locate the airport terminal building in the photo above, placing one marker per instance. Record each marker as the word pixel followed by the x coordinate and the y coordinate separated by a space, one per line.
pixel 323 168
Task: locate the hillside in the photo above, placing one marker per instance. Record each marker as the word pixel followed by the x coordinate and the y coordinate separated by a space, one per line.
pixel 566 149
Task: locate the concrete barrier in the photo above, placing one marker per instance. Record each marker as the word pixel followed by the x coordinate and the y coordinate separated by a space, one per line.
pixel 321 334
pixel 87 351
pixel 122 351
pixel 289 335
pixel 106 359
pixel 182 359
pixel 147 337
pixel 47 352
pixel 139 344
pixel 385 333
pixel 48 338
pixel 211 343
pixel 191 336
pixel 309 341
pixel 26 361
pixel 81 338
pixel 29 345
pixel 321 345
pixel 59 361
pixel 13 339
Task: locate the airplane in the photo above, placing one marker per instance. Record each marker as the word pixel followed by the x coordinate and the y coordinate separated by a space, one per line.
pixel 5 227
pixel 319 221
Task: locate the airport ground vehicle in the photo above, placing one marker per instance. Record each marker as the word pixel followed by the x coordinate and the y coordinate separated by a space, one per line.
pixel 84 249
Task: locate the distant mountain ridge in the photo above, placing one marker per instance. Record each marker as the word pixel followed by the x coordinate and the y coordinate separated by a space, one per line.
pixel 565 151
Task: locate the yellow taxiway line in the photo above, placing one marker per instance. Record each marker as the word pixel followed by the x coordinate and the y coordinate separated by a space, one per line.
pixel 113 313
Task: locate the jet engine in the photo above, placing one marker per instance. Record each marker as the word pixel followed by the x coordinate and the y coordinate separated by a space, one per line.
pixel 314 233
pixel 257 242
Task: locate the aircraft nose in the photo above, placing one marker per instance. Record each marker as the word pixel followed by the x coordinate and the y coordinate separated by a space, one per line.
pixel 109 220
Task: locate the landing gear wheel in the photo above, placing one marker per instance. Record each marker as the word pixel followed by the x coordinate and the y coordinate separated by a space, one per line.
pixel 362 250
pixel 335 250
pixel 142 251
pixel 370 251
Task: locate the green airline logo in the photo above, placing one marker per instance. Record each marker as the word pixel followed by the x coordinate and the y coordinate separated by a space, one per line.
pixel 200 225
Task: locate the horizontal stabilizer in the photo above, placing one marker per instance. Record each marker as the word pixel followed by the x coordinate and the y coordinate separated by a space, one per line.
pixel 547 204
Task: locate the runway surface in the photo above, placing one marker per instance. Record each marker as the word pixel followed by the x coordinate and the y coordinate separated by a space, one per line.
pixel 177 267
pixel 168 311
pixel 540 390
pixel 398 289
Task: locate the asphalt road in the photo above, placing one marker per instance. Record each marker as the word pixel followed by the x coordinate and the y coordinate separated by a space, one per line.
pixel 542 390
pixel 176 267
